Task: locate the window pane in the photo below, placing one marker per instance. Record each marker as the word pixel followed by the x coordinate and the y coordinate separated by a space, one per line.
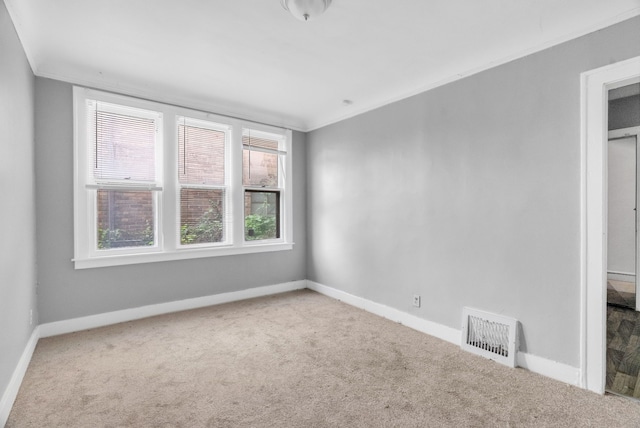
pixel 261 215
pixel 201 216
pixel 200 155
pixel 125 219
pixel 259 168
pixel 124 147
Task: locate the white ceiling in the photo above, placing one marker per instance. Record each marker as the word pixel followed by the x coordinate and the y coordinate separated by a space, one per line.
pixel 250 58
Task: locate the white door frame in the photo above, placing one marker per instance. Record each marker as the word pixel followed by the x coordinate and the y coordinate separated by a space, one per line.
pixel 595 85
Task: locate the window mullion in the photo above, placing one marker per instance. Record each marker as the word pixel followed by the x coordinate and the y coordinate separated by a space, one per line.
pixel 82 227
pixel 236 188
pixel 168 213
pixel 286 200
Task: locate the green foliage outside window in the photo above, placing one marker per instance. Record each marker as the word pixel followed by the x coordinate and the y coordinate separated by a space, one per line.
pixel 261 224
pixel 208 228
pixel 259 227
pixel 118 238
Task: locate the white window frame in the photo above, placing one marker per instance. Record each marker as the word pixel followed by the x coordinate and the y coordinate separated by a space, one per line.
pixel 167 245
pixel 228 206
pixel 283 155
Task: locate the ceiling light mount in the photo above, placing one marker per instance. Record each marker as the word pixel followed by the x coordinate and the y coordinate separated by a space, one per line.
pixel 306 10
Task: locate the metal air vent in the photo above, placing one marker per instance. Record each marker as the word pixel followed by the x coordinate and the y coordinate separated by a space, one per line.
pixel 490 335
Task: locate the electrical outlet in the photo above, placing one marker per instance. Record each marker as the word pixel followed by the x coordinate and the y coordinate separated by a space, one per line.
pixel 416 300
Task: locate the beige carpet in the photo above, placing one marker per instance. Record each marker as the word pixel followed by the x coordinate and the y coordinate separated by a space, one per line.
pixel 292 360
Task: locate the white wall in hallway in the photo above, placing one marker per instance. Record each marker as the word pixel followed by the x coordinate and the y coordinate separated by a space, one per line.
pixel 621 243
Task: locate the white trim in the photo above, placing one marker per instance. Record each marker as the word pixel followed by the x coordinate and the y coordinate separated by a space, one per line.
pixel 431 328
pixel 313 125
pixel 614 272
pixel 218 109
pixel 624 132
pixel 105 319
pixel 180 254
pixel 622 276
pixel 109 318
pixel 11 392
pixel 251 114
pixel 552 369
pixel 287 203
pixel 167 245
pixel 593 217
pixel 539 365
pixel 542 366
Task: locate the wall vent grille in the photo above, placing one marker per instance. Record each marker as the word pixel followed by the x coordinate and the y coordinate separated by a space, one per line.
pixel 490 335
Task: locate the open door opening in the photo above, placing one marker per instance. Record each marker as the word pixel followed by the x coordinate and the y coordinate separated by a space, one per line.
pixel 595 85
pixel 622 243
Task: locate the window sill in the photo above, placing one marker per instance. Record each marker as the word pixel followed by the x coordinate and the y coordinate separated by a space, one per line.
pixel 130 259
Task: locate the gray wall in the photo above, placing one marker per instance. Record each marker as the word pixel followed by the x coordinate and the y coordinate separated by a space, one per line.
pixel 66 293
pixel 624 112
pixel 17 246
pixel 468 194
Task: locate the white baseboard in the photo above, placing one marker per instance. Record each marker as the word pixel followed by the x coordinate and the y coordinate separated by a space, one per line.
pixel 101 320
pixel 539 365
pixel 621 276
pixel 431 328
pixel 11 392
pixel 549 368
pixel 109 318
pixel 545 367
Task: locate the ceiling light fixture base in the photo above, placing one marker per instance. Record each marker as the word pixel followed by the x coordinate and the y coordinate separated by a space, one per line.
pixel 306 10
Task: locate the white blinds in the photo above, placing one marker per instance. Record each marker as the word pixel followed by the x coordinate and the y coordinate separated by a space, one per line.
pixel 124 144
pixel 201 154
pixel 261 158
pixel 201 175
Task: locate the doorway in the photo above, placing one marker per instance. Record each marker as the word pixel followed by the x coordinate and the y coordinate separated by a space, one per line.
pixel 623 318
pixel 595 85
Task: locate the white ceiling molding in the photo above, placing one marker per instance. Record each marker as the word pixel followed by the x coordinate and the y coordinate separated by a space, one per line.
pixel 254 61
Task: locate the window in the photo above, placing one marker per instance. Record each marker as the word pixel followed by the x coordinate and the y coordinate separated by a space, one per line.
pixel 155 182
pixel 262 157
pixel 203 181
pixel 123 177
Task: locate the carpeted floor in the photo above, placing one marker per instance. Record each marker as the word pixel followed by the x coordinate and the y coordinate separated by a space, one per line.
pixel 293 360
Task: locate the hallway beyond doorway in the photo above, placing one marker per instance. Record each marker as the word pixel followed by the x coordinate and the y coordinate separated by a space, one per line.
pixel 623 351
pixel 621 293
